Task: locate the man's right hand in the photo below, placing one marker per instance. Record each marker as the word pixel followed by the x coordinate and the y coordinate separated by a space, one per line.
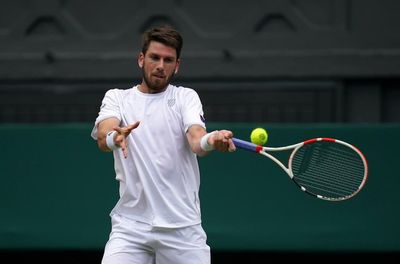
pixel 122 133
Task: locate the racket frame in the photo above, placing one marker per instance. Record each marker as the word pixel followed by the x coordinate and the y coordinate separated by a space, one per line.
pixel 295 147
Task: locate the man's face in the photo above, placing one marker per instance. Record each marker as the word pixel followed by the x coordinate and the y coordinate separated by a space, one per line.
pixel 158 65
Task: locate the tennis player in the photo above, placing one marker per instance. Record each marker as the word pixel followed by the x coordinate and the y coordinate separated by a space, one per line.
pixel 156 131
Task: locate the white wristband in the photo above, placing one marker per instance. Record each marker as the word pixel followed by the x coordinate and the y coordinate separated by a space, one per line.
pixel 204 142
pixel 110 140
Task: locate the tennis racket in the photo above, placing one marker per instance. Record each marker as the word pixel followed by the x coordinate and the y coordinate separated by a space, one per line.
pixel 327 168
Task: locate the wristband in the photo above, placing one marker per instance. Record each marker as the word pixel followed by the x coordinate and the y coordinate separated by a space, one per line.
pixel 110 140
pixel 204 142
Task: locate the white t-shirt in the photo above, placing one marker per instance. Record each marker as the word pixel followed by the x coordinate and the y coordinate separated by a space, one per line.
pixel 160 179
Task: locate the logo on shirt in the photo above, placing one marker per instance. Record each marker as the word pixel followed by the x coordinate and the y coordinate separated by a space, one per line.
pixel 171 102
pixel 202 118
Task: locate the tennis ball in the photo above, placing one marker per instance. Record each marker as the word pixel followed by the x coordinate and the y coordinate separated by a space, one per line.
pixel 259 136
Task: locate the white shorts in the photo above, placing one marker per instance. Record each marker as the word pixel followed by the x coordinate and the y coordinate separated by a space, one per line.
pixel 139 243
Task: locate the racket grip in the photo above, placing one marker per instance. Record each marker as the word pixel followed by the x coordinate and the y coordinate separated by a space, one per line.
pixel 246 145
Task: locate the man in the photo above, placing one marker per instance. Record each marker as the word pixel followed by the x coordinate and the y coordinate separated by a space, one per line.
pixel 156 131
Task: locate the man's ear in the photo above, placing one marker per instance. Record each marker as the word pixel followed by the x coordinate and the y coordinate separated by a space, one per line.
pixel 177 66
pixel 141 60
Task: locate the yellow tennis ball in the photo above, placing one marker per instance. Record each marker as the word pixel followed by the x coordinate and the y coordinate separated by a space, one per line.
pixel 259 136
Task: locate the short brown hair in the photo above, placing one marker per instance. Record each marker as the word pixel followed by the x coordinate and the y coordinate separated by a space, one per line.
pixel 166 35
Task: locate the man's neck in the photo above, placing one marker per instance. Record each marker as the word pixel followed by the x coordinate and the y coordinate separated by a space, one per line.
pixel 145 89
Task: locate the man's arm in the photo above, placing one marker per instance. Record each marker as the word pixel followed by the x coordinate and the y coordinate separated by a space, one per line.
pixel 103 128
pixel 219 140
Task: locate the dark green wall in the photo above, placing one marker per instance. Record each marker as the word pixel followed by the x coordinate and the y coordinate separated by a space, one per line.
pixel 57 189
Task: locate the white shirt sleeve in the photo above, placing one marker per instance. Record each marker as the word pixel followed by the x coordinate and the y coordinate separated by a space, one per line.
pixel 110 107
pixel 192 110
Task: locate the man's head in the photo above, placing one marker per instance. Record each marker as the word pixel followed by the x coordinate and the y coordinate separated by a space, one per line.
pixel 159 59
pixel 166 35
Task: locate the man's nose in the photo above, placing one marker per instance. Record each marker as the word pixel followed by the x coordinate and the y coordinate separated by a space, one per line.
pixel 160 65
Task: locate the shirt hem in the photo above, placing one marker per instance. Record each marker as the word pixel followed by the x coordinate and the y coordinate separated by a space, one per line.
pixel 152 224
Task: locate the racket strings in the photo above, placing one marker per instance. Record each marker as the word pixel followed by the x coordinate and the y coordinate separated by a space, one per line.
pixel 339 183
pixel 319 176
pixel 353 169
pixel 325 188
pixel 328 169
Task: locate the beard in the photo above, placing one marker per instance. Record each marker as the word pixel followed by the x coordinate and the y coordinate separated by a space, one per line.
pixel 156 84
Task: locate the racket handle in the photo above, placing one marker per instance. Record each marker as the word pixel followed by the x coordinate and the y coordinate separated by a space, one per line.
pixel 246 145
